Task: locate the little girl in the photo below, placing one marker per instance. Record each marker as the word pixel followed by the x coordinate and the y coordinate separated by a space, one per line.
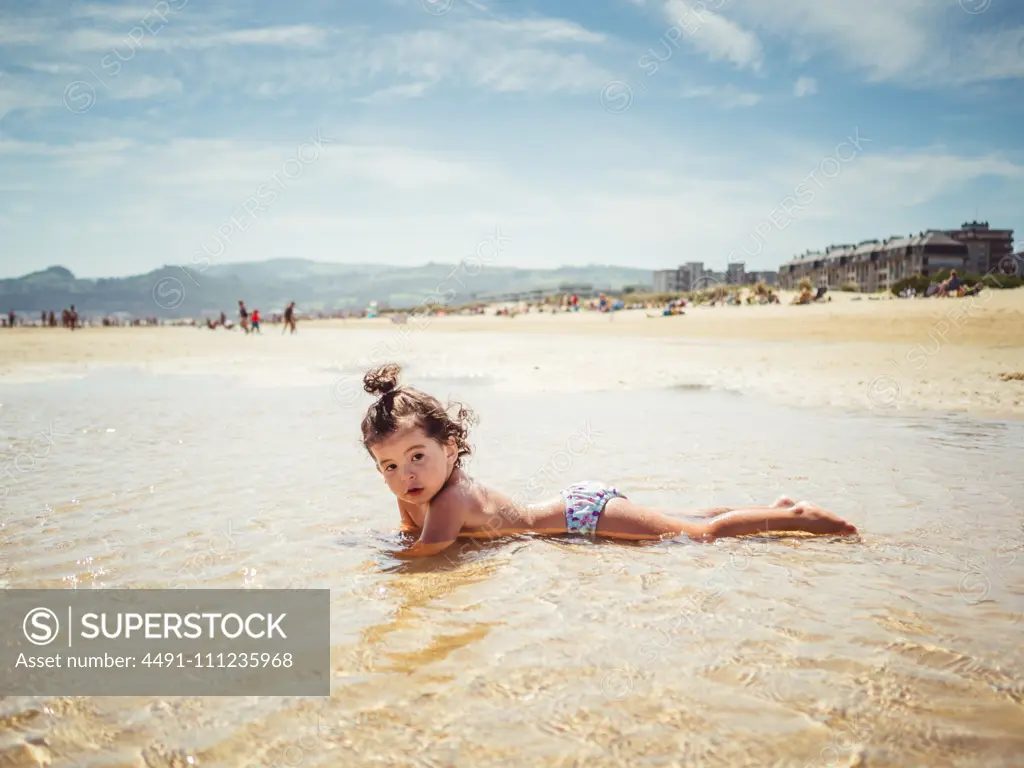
pixel 418 446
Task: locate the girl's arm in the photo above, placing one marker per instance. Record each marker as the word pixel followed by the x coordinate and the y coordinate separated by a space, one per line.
pixel 444 520
pixel 408 524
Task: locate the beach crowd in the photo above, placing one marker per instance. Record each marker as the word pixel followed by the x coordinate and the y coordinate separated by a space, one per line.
pixel 68 319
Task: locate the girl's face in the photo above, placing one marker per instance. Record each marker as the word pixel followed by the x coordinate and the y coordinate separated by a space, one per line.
pixel 414 466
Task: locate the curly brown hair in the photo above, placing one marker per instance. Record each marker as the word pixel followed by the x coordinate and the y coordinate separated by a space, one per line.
pixel 398 407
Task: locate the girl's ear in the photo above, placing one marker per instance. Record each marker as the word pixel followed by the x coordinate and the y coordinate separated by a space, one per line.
pixel 451 448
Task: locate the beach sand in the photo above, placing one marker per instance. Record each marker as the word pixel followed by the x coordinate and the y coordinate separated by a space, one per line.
pixel 956 355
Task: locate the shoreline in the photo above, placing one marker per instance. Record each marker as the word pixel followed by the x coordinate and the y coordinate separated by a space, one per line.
pixel 930 355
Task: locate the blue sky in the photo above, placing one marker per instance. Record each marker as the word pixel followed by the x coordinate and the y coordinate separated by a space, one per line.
pixel 645 133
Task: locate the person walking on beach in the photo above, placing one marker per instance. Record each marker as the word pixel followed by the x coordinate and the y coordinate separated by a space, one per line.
pixel 243 316
pixel 73 317
pixel 289 318
pixel 256 321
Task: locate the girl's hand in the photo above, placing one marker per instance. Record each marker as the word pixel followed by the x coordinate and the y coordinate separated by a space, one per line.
pixel 444 520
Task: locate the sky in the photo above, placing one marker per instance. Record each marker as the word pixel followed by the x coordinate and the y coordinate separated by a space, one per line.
pixel 643 133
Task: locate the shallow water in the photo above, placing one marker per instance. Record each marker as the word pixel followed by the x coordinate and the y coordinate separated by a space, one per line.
pixel 900 647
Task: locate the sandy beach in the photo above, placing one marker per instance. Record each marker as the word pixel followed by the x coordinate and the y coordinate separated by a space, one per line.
pixel 228 462
pixel 951 355
pixel 146 458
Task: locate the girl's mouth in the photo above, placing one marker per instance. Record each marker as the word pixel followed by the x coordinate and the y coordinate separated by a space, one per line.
pixel 415 491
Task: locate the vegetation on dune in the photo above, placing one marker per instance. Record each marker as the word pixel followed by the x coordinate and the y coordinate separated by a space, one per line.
pixel 920 283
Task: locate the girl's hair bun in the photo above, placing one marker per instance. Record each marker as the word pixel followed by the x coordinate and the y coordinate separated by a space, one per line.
pixel 382 380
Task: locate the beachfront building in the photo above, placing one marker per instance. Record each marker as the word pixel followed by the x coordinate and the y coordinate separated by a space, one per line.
pixel 686 277
pixel 874 265
pixel 710 278
pixel 734 273
pixel 768 277
pixel 693 277
pixel 987 248
pixel 668 281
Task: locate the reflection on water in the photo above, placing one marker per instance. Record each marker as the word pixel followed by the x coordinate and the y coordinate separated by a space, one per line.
pixel 897 648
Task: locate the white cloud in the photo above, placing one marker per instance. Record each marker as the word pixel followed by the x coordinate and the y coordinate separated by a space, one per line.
pixel 24 32
pixel 398 93
pixel 540 30
pixel 298 35
pixel 55 69
pixel 115 13
pixel 144 87
pixel 912 42
pixel 805 86
pixel 207 166
pixel 918 177
pixel 714 35
pixel 727 96
pixel 166 38
pixel 15 94
pixel 536 55
pixel 549 56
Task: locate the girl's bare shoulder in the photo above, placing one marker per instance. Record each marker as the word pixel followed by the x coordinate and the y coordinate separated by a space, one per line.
pixel 467 492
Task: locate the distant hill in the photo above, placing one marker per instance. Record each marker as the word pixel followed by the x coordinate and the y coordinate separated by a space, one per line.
pixel 172 291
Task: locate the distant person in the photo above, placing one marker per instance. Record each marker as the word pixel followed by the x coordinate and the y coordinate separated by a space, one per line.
pixel 223 320
pixel 53 320
pixel 256 321
pixel 289 318
pixel 42 320
pixel 243 316
pixel 951 286
pixel 73 317
pixel 10 319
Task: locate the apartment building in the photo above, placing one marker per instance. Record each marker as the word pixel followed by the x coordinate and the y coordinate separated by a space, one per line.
pixel 770 278
pixel 687 277
pixel 734 273
pixel 874 265
pixel 989 250
pixel 667 281
pixel 692 276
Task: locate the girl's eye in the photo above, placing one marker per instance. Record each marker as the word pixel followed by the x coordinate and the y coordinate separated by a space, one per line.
pixel 417 457
pixel 389 467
